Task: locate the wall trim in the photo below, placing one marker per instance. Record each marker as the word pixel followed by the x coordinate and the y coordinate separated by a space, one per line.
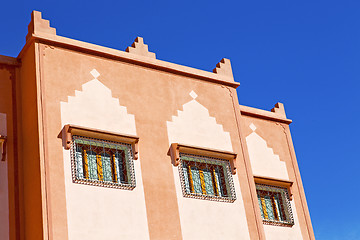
pixel 255 112
pixel 118 55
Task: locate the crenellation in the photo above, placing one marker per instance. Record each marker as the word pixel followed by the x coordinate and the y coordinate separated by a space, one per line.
pixel 140 48
pixel 224 68
pixel 38 25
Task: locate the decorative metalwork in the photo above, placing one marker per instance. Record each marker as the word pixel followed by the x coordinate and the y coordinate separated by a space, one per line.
pixel 102 163
pixel 206 178
pixel 275 206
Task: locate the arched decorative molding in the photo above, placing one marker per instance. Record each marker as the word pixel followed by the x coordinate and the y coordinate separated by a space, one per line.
pixel 194 126
pixel 94 107
pixel 263 160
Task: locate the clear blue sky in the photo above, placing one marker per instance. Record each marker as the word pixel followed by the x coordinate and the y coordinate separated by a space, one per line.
pixel 305 54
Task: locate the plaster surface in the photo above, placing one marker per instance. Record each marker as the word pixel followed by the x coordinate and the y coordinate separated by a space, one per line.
pixel 195 126
pixel 95 107
pixel 204 219
pixel 265 163
pixel 4 193
pixel 263 160
pixel 284 233
pixel 97 212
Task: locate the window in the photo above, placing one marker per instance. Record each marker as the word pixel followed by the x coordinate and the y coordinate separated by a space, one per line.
pixel 101 158
pixel 205 173
pixel 206 178
pixel 102 163
pixel 274 205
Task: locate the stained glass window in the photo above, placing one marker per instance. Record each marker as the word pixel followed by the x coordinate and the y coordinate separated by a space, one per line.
pixel 102 163
pixel 206 178
pixel 274 205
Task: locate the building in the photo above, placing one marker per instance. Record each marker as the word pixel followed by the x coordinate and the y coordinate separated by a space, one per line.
pixel 98 143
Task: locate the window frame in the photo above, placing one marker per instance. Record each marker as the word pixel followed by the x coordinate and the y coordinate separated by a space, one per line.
pixel 129 145
pixel 226 160
pixel 283 189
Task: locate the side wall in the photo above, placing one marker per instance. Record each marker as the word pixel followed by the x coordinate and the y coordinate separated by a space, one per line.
pixel 270 155
pixel 5 130
pixel 31 196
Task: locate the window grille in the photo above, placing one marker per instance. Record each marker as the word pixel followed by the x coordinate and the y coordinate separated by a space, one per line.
pixel 102 163
pixel 206 178
pixel 274 205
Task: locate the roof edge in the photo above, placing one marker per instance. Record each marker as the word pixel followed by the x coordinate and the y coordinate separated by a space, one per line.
pixel 11 61
pixel 119 55
pixel 259 113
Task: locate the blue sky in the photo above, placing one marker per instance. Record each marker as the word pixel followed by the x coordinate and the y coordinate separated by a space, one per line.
pixel 305 54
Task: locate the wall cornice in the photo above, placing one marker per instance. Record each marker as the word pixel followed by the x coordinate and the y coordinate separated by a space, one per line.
pixel 117 55
pixel 274 115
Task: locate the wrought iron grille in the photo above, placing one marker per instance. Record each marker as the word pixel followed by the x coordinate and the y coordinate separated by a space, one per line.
pixel 206 178
pixel 102 163
pixel 274 205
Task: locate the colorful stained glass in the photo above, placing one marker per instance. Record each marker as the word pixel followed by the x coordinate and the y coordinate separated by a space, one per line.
pixel 261 207
pixel 79 163
pixel 92 163
pixel 209 182
pixel 106 167
pixel 103 161
pixel 274 205
pixel 206 177
pixel 196 180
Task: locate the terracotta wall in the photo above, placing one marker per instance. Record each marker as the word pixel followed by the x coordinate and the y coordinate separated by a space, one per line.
pixel 162 103
pixel 58 81
pixel 153 97
pixel 6 171
pixel 31 196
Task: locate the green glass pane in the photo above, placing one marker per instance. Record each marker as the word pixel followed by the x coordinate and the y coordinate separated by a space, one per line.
pixel 269 208
pixel 93 174
pixel 209 187
pixel 278 208
pixel 186 177
pixel 196 180
pixel 106 165
pixel 261 208
pixel 79 163
pixel 221 187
